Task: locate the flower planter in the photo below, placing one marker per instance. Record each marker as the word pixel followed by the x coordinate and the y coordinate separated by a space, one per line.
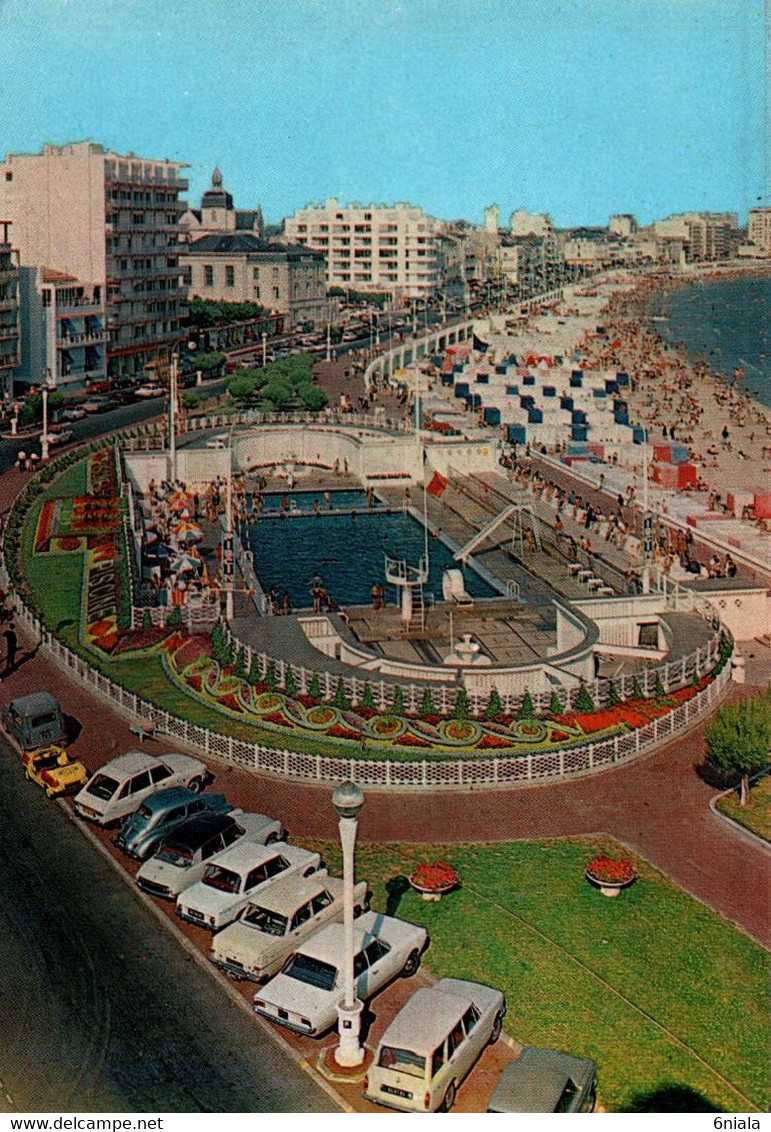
pixel 433 881
pixel 610 875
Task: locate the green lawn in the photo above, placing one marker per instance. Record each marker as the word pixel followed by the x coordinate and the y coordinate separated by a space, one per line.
pixel 665 995
pixel 756 815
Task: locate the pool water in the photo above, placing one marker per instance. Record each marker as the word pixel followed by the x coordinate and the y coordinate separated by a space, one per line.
pixel 348 553
pixel 305 500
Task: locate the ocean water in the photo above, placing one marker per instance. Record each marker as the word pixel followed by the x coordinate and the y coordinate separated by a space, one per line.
pixel 727 322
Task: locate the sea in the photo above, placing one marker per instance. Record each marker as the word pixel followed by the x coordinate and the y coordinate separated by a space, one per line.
pixel 726 322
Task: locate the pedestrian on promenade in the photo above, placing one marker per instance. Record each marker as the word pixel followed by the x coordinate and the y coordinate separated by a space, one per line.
pixel 11 644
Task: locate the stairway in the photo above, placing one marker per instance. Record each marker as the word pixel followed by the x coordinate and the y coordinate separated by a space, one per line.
pixel 418 619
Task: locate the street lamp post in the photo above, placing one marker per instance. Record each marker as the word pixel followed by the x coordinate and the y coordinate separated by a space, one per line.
pixel 264 349
pixel 348 800
pixel 44 442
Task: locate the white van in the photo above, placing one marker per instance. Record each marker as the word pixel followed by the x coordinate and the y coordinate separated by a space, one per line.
pixel 432 1043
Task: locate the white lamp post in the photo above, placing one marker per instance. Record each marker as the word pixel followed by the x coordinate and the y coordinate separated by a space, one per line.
pixel 348 800
pixel 44 434
pixel 228 556
pixel 264 349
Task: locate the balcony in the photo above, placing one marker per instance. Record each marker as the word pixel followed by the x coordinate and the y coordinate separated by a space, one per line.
pixel 93 338
pixel 79 308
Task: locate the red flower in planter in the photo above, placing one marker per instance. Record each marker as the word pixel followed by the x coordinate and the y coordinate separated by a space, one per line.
pixel 434 876
pixel 611 870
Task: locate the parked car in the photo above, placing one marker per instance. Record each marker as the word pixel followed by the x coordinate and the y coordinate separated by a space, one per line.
pixel 159 815
pixel 54 770
pixel 305 994
pixel 278 920
pixel 35 720
pixel 100 404
pixel 544 1080
pixel 73 413
pixel 122 785
pixel 432 1043
pixel 184 854
pixel 59 435
pixel 145 391
pixel 230 882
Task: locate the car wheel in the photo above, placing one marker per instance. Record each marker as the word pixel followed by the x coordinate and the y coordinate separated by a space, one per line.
pixel 449 1098
pixel 496 1030
pixel 412 964
pixel 196 785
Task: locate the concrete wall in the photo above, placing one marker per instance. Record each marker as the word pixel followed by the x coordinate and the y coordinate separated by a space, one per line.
pixel 747 613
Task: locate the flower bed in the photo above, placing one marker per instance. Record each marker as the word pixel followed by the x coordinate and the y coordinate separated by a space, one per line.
pixel 433 879
pixel 610 874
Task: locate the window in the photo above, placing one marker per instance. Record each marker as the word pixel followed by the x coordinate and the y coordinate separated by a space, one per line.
pixel 256 876
pixel 470 1018
pixel 275 866
pixel 648 635
pixel 225 880
pixel 454 1038
pixel 208 275
pixel 359 964
pixel 176 814
pixel 159 773
pixel 301 916
pixel 437 1061
pixel 9 176
pixel 375 951
pixel 276 292
pixel 230 275
pixel 320 902
pixel 256 274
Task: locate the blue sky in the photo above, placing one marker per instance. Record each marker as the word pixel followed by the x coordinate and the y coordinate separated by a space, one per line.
pixel 580 108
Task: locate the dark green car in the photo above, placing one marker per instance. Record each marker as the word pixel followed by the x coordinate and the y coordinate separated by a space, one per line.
pixel 543 1080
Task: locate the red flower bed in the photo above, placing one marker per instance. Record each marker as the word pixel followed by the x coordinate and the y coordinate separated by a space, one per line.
pixel 134 639
pixel 490 742
pixel 191 650
pixel 340 732
pixel 434 876
pixel 231 701
pixel 411 741
pixel 611 870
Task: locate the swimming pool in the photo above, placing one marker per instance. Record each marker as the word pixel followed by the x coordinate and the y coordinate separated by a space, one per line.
pixel 348 553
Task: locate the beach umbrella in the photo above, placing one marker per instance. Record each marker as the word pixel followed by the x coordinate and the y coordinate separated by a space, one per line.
pixel 150 537
pixel 179 499
pixel 185 563
pixel 185 529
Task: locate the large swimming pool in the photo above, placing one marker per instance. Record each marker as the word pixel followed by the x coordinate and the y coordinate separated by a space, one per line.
pixel 348 552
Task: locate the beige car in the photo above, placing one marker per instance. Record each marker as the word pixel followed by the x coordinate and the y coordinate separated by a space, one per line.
pixel 433 1042
pixel 273 926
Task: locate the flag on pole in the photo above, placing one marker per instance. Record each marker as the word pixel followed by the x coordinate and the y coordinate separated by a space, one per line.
pixel 437 485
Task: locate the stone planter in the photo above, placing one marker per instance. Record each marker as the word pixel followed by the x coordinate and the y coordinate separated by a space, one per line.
pixel 609 887
pixel 432 893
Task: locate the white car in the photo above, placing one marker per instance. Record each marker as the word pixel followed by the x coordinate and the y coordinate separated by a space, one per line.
pixel 122 784
pixel 235 878
pixel 149 391
pixel 432 1043
pixel 305 995
pixel 183 856
pixel 73 413
pixel 278 920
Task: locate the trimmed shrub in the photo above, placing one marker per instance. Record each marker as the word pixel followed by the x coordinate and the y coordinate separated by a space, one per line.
pixel 613 697
pixel 526 708
pixel 584 702
pixel 460 708
pixel 427 703
pixel 494 705
pixel 555 704
pixel 314 688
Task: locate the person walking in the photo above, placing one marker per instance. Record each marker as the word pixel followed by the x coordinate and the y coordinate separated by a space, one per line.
pixel 11 644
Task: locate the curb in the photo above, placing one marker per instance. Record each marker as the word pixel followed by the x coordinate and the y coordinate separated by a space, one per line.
pixel 736 826
pixel 198 958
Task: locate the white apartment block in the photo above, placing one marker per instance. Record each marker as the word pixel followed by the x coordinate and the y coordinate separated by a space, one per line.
pixel 759 229
pixel 522 223
pixel 63 330
pixel 110 221
pixel 389 248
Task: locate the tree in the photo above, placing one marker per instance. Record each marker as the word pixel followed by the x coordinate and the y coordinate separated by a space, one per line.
pixel 460 709
pixel 209 363
pixel 526 709
pixel 613 697
pixel 290 684
pixel 190 400
pixel 427 703
pixel 555 704
pixel 397 707
pixel 340 699
pixel 313 398
pixel 279 393
pixel 739 740
pixel 494 705
pixel 584 702
pixel 314 688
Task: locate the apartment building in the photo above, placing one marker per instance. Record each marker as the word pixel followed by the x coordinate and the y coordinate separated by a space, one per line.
pixel 704 236
pixel 237 268
pixel 63 330
pixel 9 311
pixel 389 248
pixel 759 230
pixel 112 222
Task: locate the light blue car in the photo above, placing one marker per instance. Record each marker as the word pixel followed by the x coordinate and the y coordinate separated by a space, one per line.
pixel 159 815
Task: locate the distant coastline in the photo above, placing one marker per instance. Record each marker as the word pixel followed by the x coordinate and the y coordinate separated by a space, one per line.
pixel 723 320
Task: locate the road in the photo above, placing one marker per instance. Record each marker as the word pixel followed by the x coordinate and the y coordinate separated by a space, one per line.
pixel 102 1010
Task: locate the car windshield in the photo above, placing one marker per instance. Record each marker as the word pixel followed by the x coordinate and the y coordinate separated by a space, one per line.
pixel 391 1057
pixel 264 920
pixel 312 971
pixel 224 879
pixel 175 855
pixel 42 720
pixel 47 762
pixel 102 786
pixel 145 813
